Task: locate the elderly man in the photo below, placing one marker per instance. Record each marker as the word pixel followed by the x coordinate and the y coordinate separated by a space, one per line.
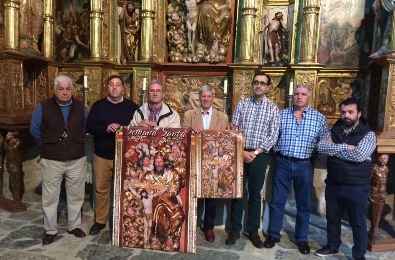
pixel 156 112
pixel 258 118
pixel 105 117
pixel 301 128
pixel 206 117
pixel 349 146
pixel 59 124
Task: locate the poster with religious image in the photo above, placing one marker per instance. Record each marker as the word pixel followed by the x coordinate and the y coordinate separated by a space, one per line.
pixel 154 206
pixel 217 162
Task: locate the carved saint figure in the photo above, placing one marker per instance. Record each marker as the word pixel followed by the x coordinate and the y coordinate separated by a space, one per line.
pixel 130 28
pixel 378 194
pixel 341 92
pixel 214 24
pixel 192 17
pixel 31 24
pixel 273 35
pixel 14 164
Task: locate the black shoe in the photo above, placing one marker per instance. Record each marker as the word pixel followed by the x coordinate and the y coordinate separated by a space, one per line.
pixel 326 250
pixel 303 248
pixel 270 241
pixel 256 240
pixel 360 258
pixel 232 237
pixel 95 229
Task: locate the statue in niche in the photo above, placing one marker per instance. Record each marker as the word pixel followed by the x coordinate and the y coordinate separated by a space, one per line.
pixel 377 194
pixel 31 25
pixel 214 26
pixel 341 92
pixel 275 38
pixel 14 165
pixel 384 28
pixel 2 156
pixel 191 22
pixel 130 32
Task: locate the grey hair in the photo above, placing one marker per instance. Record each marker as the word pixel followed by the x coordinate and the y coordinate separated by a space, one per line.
pixel 206 88
pixel 157 82
pixel 62 78
pixel 304 86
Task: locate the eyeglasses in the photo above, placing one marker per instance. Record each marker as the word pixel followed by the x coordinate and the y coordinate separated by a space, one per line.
pixel 262 83
pixel 63 136
pixel 118 85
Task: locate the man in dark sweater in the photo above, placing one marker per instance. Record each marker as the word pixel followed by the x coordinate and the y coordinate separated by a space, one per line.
pixel 58 123
pixel 349 146
pixel 105 117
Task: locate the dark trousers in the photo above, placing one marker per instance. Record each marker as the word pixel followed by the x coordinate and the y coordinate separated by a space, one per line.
pixel 254 177
pixel 210 207
pixel 354 199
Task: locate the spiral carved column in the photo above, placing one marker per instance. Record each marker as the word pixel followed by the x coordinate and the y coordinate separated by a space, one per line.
pixel 310 31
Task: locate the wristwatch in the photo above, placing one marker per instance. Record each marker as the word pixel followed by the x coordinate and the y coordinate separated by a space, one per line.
pixel 256 152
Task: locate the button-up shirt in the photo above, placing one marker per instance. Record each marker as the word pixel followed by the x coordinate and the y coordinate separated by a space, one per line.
pixel 299 139
pixel 206 117
pixel 259 121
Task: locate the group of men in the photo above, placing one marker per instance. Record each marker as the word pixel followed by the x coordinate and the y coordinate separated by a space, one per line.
pixel 296 134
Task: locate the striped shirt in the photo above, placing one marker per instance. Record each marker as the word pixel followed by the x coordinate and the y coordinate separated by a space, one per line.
pixel 259 121
pixel 299 139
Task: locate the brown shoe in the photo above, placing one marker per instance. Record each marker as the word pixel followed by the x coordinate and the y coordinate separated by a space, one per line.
pixel 209 235
pixel 48 239
pixel 256 240
pixel 232 237
pixel 77 232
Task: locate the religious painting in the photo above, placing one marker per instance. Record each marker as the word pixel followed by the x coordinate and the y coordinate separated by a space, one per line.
pixel 274 36
pixel 217 161
pixel 153 203
pixel 72 30
pixel 346 33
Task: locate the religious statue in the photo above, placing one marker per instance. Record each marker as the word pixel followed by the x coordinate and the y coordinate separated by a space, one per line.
pixel 192 18
pixel 2 155
pixel 383 29
pixel 377 195
pixel 275 42
pixel 130 32
pixel 215 20
pixel 14 165
pixel 31 25
pixel 341 92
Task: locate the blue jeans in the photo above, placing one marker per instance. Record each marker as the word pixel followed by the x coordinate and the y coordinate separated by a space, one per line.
pixel 254 175
pixel 285 173
pixel 354 199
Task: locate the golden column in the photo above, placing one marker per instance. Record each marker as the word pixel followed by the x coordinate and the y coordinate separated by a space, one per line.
pixel 48 43
pixel 310 26
pixel 248 32
pixel 147 27
pixel 11 25
pixel 96 33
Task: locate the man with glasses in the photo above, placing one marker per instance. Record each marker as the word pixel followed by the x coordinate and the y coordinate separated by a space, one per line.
pixel 301 128
pixel 156 112
pixel 58 123
pixel 258 118
pixel 105 117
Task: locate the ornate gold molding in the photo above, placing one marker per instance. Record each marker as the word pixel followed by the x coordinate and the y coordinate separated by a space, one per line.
pixel 11 24
pixel 310 28
pixel 248 32
pixel 96 32
pixel 48 42
pixel 147 27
